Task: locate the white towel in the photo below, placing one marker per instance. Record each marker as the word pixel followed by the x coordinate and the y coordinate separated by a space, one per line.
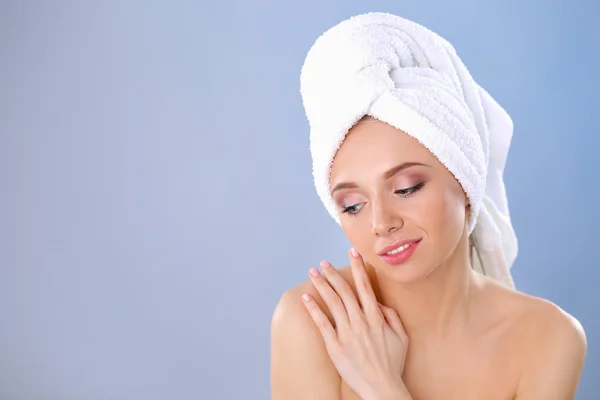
pixel 403 74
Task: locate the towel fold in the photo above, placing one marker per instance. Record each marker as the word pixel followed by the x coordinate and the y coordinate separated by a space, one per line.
pixel 405 75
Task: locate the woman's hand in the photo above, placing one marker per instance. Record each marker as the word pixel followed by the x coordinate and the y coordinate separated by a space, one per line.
pixel 368 344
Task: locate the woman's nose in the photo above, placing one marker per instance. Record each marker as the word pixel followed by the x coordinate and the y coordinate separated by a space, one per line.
pixel 386 220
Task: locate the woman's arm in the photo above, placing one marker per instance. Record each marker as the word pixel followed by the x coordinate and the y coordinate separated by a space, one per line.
pixel 555 366
pixel 300 366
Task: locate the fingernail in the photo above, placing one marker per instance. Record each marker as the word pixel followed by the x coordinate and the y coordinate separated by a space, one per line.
pixel 305 297
pixel 313 272
pixel 354 252
pixel 325 264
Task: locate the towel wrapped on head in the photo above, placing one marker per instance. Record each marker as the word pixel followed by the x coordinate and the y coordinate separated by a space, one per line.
pixel 405 75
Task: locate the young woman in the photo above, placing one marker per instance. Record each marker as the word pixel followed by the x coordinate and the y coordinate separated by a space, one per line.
pixel 408 156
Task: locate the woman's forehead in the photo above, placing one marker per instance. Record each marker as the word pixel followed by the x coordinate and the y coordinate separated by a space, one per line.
pixel 371 143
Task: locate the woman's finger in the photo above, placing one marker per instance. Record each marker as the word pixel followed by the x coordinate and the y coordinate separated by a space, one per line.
pixel 318 316
pixel 330 298
pixel 344 291
pixel 363 286
pixel 393 320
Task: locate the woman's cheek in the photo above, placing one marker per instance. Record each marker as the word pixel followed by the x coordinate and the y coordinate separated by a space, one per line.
pixel 431 207
pixel 451 211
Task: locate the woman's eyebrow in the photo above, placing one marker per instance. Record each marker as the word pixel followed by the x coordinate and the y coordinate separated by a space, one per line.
pixel 387 174
pixel 394 170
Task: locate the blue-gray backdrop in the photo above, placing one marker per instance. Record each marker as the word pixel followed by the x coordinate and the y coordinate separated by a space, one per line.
pixel 156 191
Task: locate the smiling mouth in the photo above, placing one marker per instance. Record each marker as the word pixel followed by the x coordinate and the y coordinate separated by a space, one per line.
pixel 399 246
pixel 399 249
pixel 400 253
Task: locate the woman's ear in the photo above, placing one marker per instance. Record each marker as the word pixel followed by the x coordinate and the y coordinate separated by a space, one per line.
pixel 467 211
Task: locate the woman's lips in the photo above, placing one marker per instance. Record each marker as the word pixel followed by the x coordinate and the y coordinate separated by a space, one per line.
pixel 397 244
pixel 406 249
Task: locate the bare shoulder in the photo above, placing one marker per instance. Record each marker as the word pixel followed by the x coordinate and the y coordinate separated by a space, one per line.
pixel 290 305
pixel 550 345
pixel 298 352
pixel 530 315
pixel 540 321
pixel 545 317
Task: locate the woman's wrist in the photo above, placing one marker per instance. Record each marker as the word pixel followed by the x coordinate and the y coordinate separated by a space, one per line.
pixel 393 392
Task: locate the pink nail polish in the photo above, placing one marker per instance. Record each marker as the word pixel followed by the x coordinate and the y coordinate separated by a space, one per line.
pixel 354 252
pixel 305 297
pixel 313 272
pixel 325 264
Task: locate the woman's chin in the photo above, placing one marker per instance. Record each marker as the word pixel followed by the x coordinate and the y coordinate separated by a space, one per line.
pixel 402 273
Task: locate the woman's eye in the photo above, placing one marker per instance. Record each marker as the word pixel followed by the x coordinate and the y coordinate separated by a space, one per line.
pixel 410 190
pixel 353 209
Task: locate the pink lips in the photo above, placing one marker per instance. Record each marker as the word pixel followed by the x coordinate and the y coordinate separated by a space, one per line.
pixel 399 258
pixel 397 244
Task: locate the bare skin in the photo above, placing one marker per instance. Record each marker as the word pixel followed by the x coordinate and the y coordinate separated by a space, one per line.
pixel 468 336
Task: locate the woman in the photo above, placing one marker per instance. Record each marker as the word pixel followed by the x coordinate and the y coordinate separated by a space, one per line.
pixel 408 155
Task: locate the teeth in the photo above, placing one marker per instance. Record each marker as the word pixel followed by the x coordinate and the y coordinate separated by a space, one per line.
pixel 399 249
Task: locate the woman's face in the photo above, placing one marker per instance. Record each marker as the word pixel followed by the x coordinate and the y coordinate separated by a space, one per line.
pixel 390 190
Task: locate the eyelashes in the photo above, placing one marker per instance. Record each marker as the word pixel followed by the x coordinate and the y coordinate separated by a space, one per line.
pixel 411 190
pixel 405 193
pixel 352 210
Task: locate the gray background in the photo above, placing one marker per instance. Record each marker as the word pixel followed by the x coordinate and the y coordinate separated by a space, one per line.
pixel 156 193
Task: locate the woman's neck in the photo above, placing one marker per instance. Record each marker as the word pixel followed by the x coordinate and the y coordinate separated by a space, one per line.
pixel 436 305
